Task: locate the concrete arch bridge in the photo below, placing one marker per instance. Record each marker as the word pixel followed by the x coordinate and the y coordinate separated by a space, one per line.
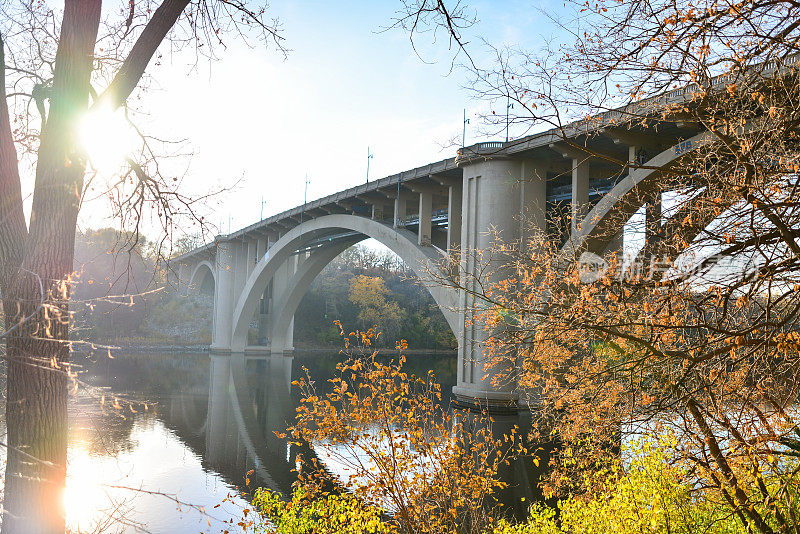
pixel 574 184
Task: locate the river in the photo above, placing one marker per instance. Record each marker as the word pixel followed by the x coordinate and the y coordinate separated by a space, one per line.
pixel 162 442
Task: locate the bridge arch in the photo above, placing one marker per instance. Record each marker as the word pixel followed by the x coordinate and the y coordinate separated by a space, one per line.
pixel 200 275
pixel 421 259
pixel 298 286
pixel 616 207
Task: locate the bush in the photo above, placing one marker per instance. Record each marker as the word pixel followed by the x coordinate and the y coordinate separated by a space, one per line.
pixel 653 494
pixel 331 514
pixel 649 493
pixel 403 451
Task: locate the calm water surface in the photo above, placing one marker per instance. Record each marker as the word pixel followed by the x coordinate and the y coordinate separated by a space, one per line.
pixel 209 420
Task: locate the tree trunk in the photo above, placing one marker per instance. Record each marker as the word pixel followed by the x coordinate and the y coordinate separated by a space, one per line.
pixel 37 382
pixel 36 263
pixel 36 297
pixel 36 418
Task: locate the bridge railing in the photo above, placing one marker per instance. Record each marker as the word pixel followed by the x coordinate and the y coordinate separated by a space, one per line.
pixel 479 148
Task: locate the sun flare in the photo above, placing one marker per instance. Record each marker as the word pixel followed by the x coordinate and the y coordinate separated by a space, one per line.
pixel 107 138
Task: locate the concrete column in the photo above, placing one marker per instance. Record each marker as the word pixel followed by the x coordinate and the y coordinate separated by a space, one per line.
pixel 400 211
pixel 381 211
pixel 261 248
pixel 264 308
pixel 533 201
pixel 271 238
pixel 281 341
pixel 490 201
pixel 425 212
pixel 453 218
pixel 240 264
pixel 288 340
pixel 580 191
pixel 223 296
pixel 183 275
pixel 251 255
pixel 299 259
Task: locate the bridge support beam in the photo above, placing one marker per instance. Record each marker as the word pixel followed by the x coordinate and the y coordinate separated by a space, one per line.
pixel 381 211
pixel 183 275
pixel 261 248
pixel 580 191
pixel 400 211
pixel 453 218
pixel 533 201
pixel 281 286
pixel 239 250
pixel 425 213
pixel 264 307
pixel 296 287
pixel 251 255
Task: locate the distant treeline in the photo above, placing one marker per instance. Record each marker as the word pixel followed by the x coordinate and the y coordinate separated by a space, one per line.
pixel 122 295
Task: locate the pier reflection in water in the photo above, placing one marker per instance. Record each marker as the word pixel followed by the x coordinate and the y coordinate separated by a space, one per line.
pixel 223 413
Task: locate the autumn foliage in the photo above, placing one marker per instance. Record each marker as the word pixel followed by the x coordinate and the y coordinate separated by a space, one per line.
pixel 398 447
pixel 691 328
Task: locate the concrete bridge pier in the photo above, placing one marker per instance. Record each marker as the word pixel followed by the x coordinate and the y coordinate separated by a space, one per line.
pixel 234 262
pixel 503 200
pixel 282 341
pixel 224 296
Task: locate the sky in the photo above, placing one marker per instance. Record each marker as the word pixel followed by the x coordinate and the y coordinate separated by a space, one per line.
pixel 259 123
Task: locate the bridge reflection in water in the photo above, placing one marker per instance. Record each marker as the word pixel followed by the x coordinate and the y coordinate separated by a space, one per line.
pixel 233 423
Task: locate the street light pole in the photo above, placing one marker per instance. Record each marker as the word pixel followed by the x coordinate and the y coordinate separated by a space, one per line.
pixel 262 207
pixel 305 199
pixel 369 157
pixel 464 133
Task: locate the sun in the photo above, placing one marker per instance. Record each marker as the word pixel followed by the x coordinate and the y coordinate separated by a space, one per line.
pixel 107 138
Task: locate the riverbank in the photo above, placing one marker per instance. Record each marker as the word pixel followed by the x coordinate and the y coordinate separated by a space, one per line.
pixel 199 349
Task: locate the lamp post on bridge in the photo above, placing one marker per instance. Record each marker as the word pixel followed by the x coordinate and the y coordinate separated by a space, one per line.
pixel 305 199
pixel 369 157
pixel 464 132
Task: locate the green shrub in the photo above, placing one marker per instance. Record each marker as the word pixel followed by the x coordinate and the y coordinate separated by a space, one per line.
pixel 652 494
pixel 331 514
